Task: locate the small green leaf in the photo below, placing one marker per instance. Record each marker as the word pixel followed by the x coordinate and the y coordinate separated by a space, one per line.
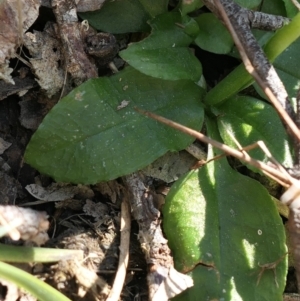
pixel 221 226
pixel 249 120
pixel 165 54
pixel 119 16
pixel 87 137
pixel 187 6
pixel 213 35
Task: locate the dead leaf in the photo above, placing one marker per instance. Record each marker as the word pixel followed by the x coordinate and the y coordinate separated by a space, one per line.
pixel 53 193
pixel 12 291
pixel 170 166
pixel 82 5
pixel 15 18
pixel 172 284
pixel 97 210
pixel 21 86
pixel 34 107
pixel 46 54
pixel 90 5
pixel 87 279
pixel 112 189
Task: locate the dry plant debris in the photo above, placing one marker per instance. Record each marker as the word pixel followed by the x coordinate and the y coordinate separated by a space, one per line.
pixel 53 193
pixel 15 294
pixel 16 18
pixel 78 65
pixel 81 5
pixel 45 51
pixel 170 166
pixel 163 280
pixel 26 224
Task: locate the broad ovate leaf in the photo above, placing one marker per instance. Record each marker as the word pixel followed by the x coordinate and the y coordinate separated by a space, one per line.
pixel 249 120
pixel 165 53
pixel 213 35
pixel 222 226
pixel 94 134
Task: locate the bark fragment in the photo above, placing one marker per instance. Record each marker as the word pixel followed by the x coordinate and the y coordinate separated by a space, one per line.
pixel 164 281
pixel 71 33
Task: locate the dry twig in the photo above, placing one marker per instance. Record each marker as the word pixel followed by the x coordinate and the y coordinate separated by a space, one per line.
pixel 241 20
pixel 296 3
pixel 283 177
pixel 266 77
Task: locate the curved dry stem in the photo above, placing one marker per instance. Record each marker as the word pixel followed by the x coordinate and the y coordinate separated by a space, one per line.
pixel 283 177
pixel 124 253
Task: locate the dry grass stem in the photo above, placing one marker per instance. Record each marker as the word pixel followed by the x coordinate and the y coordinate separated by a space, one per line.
pixel 283 177
pixel 115 292
pixel 296 3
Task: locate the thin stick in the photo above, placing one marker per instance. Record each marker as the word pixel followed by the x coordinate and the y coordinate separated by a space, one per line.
pixel 250 68
pixel 225 148
pixel 296 3
pixel 115 292
pixel 265 150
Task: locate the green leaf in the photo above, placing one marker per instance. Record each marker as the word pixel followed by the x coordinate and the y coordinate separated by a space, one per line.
pixel 250 120
pixel 213 35
pixel 187 6
pixel 119 16
pixel 287 69
pixel 165 54
pixel 291 9
pixel 155 7
pixel 38 288
pixel 239 78
pixel 275 7
pixel 86 139
pixel 222 226
pixel 15 254
pixel 249 3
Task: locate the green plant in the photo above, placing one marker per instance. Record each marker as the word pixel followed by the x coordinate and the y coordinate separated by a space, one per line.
pixel 226 223
pixel 36 287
